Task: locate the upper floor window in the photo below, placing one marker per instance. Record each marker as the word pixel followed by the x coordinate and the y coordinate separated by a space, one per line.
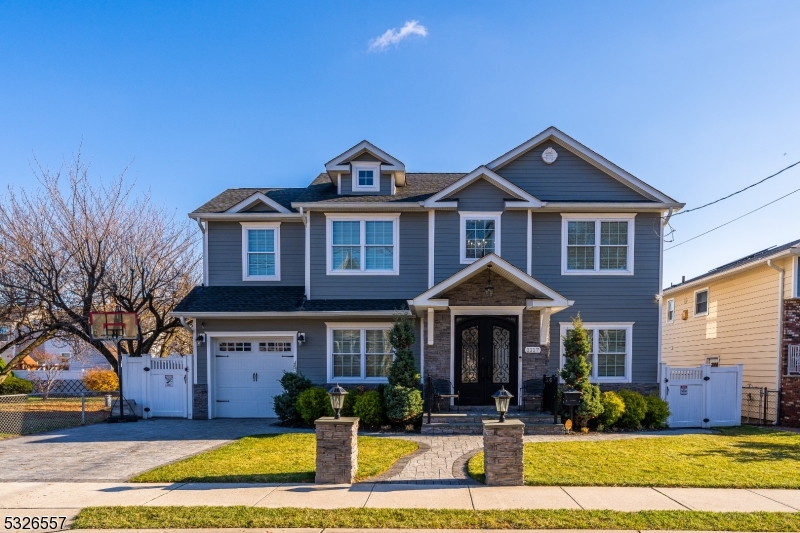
pixel 363 245
pixel 701 302
pixel 597 244
pixel 366 176
pixel 480 235
pixel 261 251
pixel 611 350
pixel 670 310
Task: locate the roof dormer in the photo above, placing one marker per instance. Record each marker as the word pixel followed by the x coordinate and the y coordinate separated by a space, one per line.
pixel 359 170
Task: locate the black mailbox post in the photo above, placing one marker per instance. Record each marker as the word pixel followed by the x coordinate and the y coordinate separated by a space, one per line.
pixel 571 398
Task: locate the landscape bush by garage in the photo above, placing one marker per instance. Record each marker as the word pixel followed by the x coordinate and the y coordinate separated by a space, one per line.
pixel 313 403
pixel 369 408
pixel 657 412
pixel 293 384
pixel 613 408
pixel 101 380
pixel 635 409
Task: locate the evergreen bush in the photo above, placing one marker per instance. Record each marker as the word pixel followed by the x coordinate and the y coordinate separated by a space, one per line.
pixel 369 408
pixel 13 384
pixel 613 407
pixel 313 403
pixel 349 405
pixel 657 412
pixel 635 409
pixel 577 370
pixel 293 384
pixel 101 380
pixel 403 371
pixel 402 403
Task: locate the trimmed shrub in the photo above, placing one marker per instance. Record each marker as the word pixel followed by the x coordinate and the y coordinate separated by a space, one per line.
pixel 101 380
pixel 313 403
pixel 613 407
pixel 635 409
pixel 369 408
pixel 657 412
pixel 293 384
pixel 349 406
pixel 402 403
pixel 577 370
pixel 403 371
pixel 15 385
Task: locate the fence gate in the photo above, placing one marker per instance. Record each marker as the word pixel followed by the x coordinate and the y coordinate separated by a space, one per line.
pixel 159 385
pixel 703 396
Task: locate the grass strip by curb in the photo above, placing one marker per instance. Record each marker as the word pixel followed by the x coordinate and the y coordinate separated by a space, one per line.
pixel 289 517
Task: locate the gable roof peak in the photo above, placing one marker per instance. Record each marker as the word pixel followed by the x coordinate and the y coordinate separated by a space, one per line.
pixel 485 173
pixel 390 164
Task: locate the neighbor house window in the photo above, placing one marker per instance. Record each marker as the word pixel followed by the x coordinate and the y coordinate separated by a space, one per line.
pixel 363 245
pixel 480 235
pixel 597 244
pixel 261 251
pixel 610 352
pixel 367 177
pixel 359 353
pixel 670 310
pixel 701 302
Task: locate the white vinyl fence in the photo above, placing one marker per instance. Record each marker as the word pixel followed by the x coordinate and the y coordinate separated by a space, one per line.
pixel 704 396
pixel 159 385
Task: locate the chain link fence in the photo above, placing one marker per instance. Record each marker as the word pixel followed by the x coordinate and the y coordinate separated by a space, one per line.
pixel 760 405
pixel 24 414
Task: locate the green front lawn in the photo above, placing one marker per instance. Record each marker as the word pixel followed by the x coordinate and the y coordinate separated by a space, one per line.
pixel 252 517
pixel 743 457
pixel 285 458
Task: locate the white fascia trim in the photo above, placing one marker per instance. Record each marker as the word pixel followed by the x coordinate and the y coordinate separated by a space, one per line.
pixel 477 215
pixel 330 327
pixel 375 167
pixel 584 153
pixel 596 327
pixel 294 314
pixel 257 197
pixel 350 207
pixel 341 162
pixel 255 217
pixel 532 304
pixel 796 278
pixel 261 225
pixel 694 301
pixel 511 272
pixel 431 247
pixel 220 334
pixel 529 245
pixel 566 218
pixel 362 218
pixel 622 207
pixel 497 180
pixel 308 255
pixel 205 250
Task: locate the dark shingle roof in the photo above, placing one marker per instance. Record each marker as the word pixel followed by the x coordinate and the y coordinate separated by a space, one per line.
pixel 752 258
pixel 225 299
pixel 419 187
pixel 229 198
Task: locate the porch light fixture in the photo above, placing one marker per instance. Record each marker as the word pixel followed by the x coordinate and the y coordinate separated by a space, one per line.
pixel 301 339
pixel 501 400
pixel 337 394
pixel 489 289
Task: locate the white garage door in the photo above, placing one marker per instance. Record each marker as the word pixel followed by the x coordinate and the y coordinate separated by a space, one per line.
pixel 247 373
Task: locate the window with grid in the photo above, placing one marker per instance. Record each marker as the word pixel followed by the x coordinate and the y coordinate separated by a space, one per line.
pixel 366 178
pixel 701 302
pixel 580 245
pixel 670 310
pixel 274 346
pixel 235 347
pixel 363 353
pixel 261 254
pixel 363 246
pixel 480 237
pixel 597 246
pixel 613 245
pixel 611 353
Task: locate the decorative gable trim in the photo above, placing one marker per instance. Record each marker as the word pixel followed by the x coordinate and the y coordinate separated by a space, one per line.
pixel 255 198
pixel 522 198
pixel 389 164
pixel 587 155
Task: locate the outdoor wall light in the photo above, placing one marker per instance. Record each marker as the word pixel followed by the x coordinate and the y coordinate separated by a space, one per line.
pixel 501 400
pixel 337 394
pixel 301 339
pixel 489 289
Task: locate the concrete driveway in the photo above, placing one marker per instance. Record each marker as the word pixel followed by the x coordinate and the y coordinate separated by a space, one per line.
pixel 116 452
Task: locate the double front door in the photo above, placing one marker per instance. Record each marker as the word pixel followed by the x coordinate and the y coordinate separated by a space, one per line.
pixel 486 353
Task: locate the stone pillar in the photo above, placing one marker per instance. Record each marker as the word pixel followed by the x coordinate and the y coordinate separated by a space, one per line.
pixel 337 449
pixel 502 452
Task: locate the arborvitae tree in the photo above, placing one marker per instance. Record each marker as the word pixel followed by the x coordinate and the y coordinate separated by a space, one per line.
pixel 578 369
pixel 403 371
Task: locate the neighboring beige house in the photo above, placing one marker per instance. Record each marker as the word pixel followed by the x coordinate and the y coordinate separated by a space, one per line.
pixel 733 315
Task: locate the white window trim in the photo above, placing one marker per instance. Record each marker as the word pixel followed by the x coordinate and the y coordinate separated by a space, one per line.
pixel 261 225
pixel 388 217
pixel 796 280
pixel 595 327
pixel 478 215
pixel 375 167
pixel 363 326
pixel 694 302
pixel 671 320
pixel 566 218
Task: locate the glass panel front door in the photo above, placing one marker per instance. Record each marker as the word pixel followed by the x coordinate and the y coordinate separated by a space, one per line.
pixel 485 358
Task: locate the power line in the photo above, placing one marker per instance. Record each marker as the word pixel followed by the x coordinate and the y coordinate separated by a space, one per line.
pixel 734 220
pixel 737 192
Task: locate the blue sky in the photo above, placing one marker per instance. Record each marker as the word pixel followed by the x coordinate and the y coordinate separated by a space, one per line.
pixel 696 98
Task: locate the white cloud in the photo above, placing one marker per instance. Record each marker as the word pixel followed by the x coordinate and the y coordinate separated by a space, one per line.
pixel 394 37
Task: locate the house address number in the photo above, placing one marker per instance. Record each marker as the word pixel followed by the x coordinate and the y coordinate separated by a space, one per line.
pixel 533 349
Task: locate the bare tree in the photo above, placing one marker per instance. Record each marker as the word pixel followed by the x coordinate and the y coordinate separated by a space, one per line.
pixel 72 247
pixel 49 369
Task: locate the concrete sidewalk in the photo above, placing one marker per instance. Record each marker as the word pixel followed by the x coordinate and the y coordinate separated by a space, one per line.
pixel 20 497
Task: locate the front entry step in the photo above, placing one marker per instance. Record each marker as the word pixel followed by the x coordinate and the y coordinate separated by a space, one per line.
pixel 470 423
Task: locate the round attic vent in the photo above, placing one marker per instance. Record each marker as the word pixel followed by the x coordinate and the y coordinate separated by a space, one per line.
pixel 549 156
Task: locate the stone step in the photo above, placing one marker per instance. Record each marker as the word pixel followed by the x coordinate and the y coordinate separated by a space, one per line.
pixel 476 428
pixel 476 419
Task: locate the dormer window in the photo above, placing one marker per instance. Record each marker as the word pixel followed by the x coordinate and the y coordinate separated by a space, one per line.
pixel 366 177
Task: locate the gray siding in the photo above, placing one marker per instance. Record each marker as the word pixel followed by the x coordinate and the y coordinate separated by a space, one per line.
pixel 386 186
pixel 481 195
pixel 311 357
pixel 413 277
pixel 225 254
pixel 446 242
pixel 570 178
pixel 513 242
pixel 605 298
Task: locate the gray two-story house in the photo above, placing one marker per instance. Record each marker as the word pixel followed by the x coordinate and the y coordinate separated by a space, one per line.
pixel 491 266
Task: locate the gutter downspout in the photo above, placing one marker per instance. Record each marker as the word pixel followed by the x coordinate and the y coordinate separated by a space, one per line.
pixel 781 277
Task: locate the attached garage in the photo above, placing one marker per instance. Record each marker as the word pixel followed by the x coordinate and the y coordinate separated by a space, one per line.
pixel 246 374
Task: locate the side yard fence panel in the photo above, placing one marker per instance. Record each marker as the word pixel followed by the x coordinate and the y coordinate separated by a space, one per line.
pixel 703 396
pixel 24 414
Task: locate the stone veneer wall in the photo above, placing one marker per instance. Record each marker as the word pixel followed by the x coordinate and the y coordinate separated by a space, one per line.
pixel 199 402
pixel 790 385
pixel 472 293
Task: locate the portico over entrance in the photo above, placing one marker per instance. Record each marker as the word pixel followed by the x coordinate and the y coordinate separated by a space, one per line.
pixel 485 327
